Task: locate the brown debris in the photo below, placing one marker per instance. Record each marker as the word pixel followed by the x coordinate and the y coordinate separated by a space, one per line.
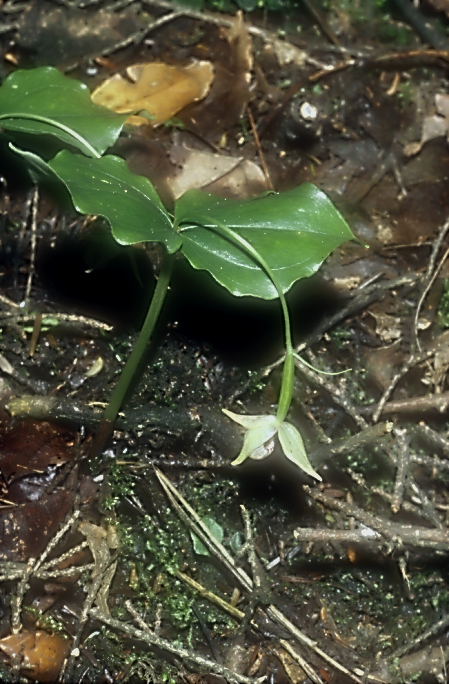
pixel 40 654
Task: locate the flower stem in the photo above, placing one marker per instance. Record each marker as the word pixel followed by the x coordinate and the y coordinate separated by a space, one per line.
pixel 288 373
pixel 140 346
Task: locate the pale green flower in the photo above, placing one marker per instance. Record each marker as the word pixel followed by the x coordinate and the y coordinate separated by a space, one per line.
pixel 259 443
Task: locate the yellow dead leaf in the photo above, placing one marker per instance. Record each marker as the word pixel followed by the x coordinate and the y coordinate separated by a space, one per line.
pixel 41 654
pixel 160 89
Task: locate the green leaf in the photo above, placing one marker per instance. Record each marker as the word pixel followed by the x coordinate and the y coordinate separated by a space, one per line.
pixel 293 447
pixel 215 529
pixel 43 101
pixel 106 187
pixel 38 169
pixel 293 231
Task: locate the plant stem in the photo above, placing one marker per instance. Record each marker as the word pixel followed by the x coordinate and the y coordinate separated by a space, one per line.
pixel 288 373
pixel 140 346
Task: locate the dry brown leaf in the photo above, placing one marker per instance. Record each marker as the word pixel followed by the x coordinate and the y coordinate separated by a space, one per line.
pixel 434 126
pixel 220 174
pixel 160 89
pixel 41 654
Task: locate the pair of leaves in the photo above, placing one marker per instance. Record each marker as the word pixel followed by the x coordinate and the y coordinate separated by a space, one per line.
pixel 294 231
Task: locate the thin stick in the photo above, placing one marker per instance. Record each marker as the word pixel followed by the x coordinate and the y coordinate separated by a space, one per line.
pixel 310 672
pixel 10 317
pixel 166 645
pixel 412 361
pixel 215 547
pixel 259 148
pixel 334 391
pixel 430 276
pixel 37 325
pixel 32 266
pixel 403 464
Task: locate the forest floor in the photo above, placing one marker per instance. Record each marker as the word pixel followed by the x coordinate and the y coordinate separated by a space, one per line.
pixel 342 581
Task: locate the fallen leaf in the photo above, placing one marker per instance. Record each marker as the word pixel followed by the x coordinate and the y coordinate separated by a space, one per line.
pixel 197 168
pixel 220 174
pixel 41 654
pixel 26 529
pixel 434 126
pixel 160 89
pixel 31 448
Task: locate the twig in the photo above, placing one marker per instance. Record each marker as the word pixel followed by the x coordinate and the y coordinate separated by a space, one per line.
pixel 398 534
pixel 412 361
pixel 440 402
pixel 360 536
pixel 402 463
pixel 200 529
pixel 336 394
pixel 138 36
pixel 402 563
pixel 437 627
pixel 31 568
pixel 166 645
pixel 427 513
pixel 32 266
pixel 430 276
pixel 432 462
pixel 9 317
pixel 210 596
pixel 433 437
pixel 345 446
pixel 37 325
pixel 360 300
pixel 9 302
pixel 259 148
pixel 304 664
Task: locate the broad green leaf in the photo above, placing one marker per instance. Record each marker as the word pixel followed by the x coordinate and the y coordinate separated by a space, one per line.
pixel 293 447
pixel 106 187
pixel 293 231
pixel 44 101
pixel 214 528
pixel 38 169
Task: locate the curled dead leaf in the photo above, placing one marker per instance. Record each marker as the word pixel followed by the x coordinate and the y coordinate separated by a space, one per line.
pixel 158 88
pixel 41 654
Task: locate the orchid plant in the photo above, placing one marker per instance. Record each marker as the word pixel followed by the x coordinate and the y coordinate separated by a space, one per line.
pixel 255 248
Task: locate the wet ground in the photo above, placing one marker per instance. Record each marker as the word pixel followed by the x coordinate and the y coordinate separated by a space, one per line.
pixel 103 578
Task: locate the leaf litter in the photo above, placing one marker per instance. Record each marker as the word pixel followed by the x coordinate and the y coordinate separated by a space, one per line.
pixel 358 158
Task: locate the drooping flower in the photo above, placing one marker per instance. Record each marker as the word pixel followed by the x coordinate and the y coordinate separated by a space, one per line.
pixel 258 442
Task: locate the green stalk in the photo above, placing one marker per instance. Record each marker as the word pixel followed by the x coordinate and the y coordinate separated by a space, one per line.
pixel 140 346
pixel 288 372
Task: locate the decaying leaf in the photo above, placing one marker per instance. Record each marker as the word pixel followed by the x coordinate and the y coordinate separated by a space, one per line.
pixel 223 175
pixel 434 126
pixel 26 529
pixel 30 448
pixel 387 327
pixel 160 89
pixel 29 456
pixel 41 654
